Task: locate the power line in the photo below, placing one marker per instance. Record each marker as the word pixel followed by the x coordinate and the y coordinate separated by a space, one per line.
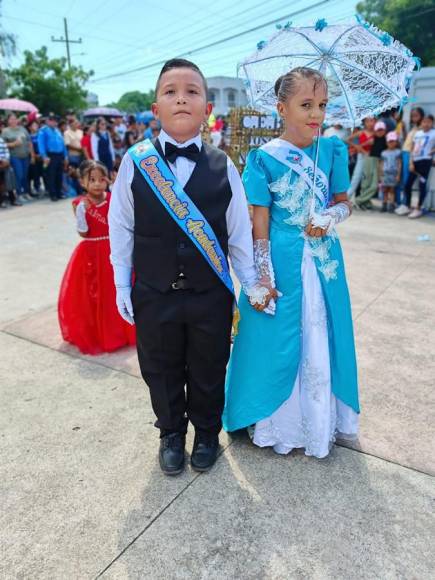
pixel 122 58
pixel 335 16
pixel 217 42
pixel 42 25
pixel 193 33
pixel 88 13
pixel 229 19
pixel 67 41
pixel 26 7
pixel 30 22
pixel 215 65
pixel 153 40
pixel 204 61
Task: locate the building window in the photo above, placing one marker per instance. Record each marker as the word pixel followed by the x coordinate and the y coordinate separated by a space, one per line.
pixel 212 96
pixel 231 98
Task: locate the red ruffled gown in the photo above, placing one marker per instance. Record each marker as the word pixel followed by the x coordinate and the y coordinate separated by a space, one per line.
pixel 87 311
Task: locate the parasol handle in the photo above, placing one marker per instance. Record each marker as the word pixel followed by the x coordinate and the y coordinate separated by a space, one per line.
pixel 313 195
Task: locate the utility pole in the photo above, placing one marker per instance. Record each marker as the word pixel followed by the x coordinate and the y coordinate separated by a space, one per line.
pixel 67 41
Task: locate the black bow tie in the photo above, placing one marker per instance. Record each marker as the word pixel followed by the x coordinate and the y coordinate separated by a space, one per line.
pixel 172 152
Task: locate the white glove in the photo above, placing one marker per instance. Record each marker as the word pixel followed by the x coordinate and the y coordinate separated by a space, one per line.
pixel 331 217
pixel 321 221
pixel 123 303
pixel 81 223
pixel 265 274
pixel 338 213
pixel 123 292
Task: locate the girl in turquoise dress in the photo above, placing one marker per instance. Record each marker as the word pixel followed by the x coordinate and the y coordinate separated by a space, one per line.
pixel 292 376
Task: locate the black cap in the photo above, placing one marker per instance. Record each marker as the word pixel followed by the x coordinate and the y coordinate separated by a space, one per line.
pixel 52 117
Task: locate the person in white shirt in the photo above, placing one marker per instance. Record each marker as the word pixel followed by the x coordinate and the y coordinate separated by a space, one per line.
pixel 73 141
pixel 423 149
pixel 182 310
pixel 119 126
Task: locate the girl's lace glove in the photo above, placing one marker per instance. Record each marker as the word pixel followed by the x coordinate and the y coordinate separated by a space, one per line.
pixel 259 294
pixel 332 216
pixel 81 223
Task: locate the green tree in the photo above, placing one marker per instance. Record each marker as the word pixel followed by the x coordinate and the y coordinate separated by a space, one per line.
pixel 412 22
pixel 134 101
pixel 48 83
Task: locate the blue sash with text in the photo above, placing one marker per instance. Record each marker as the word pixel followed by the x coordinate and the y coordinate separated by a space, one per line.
pixel 180 207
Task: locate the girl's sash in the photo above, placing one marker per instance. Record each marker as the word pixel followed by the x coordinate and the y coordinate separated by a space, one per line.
pixel 292 156
pixel 180 207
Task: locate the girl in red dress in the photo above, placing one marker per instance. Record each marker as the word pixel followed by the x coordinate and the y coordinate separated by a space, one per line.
pixel 87 311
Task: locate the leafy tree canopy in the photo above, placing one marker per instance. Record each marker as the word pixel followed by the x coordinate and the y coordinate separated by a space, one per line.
pixel 48 83
pixel 134 102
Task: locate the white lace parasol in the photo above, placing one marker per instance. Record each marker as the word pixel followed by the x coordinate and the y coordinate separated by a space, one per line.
pixel 366 69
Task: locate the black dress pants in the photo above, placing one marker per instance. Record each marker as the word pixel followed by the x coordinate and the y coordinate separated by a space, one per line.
pixel 36 172
pixel 422 170
pixel 54 174
pixel 183 343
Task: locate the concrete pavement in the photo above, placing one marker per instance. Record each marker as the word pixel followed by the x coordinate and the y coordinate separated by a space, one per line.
pixel 82 493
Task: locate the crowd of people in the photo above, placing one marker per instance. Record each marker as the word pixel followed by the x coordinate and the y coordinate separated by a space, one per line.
pixel 41 156
pixel 301 390
pixel 386 158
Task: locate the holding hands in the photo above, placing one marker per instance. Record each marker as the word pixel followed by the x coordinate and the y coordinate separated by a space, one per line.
pixel 322 224
pixel 260 297
pixel 315 232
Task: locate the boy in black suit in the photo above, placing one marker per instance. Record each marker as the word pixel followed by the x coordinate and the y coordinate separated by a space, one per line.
pixel 182 310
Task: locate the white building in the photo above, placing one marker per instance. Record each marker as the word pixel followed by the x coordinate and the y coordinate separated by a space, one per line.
pixel 226 93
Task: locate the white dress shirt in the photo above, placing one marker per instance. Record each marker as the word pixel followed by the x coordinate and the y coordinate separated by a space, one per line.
pixel 121 216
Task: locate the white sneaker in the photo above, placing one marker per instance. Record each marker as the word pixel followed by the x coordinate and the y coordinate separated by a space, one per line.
pixel 402 210
pixel 416 213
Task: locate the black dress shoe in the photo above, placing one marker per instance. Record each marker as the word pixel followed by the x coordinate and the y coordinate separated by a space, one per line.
pixel 54 198
pixel 204 452
pixel 171 453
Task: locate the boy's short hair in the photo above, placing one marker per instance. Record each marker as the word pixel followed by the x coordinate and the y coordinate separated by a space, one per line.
pixel 181 63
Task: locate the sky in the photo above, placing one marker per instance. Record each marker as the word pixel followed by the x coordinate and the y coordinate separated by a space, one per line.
pixel 118 36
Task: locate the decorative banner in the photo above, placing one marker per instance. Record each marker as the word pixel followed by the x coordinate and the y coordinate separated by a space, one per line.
pixel 250 129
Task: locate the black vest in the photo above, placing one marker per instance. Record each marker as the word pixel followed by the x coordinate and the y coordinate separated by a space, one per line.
pixel 104 154
pixel 162 250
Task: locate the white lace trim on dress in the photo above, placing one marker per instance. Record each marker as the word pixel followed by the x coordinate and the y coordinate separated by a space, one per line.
pixel 312 417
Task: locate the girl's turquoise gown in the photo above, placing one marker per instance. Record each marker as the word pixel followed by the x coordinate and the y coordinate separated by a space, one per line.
pixel 293 376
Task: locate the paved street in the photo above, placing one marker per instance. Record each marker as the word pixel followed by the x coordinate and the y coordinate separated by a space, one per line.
pixel 82 494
